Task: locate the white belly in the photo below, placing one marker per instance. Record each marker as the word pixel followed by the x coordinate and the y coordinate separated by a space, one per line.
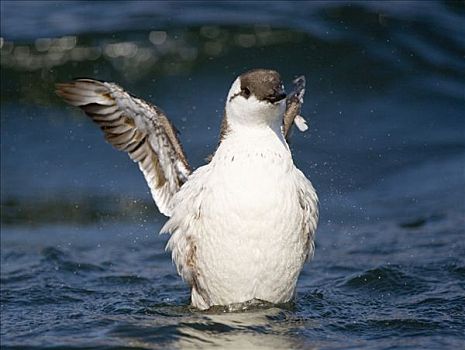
pixel 253 245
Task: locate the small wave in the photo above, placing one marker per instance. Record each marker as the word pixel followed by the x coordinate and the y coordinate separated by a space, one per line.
pixel 386 279
pixel 421 221
pixel 17 276
pixel 208 327
pixel 123 280
pixel 389 327
pixel 62 262
pixel 155 334
pixel 76 267
pixel 52 254
pixel 164 309
pixel 38 296
pixel 458 270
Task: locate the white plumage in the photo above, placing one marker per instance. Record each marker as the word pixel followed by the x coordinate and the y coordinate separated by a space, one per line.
pixel 243 225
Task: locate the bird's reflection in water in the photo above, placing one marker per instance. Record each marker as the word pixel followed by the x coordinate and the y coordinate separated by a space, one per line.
pixel 251 326
pixel 256 327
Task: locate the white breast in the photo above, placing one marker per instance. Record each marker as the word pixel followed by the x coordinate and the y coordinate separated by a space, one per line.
pixel 238 227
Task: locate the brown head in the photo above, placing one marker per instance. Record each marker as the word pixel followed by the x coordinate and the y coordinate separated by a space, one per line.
pixel 256 97
pixel 264 84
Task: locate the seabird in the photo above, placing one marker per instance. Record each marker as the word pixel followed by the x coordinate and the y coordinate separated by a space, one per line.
pixel 243 225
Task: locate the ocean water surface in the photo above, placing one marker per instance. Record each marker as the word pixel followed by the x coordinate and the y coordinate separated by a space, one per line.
pixel 82 264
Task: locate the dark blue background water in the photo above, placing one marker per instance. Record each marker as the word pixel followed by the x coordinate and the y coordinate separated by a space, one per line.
pixel 82 265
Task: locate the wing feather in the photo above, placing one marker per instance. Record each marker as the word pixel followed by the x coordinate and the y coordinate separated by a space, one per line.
pixel 308 201
pixel 294 104
pixel 138 128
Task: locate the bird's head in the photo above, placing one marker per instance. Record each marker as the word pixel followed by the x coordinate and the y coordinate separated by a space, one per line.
pixel 256 98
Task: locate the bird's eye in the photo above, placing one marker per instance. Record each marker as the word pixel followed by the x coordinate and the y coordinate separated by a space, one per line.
pixel 246 92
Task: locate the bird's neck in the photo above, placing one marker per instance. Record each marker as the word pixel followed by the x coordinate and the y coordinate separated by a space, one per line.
pixel 240 137
pixel 253 127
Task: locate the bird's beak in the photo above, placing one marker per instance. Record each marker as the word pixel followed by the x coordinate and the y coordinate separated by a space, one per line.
pixel 278 95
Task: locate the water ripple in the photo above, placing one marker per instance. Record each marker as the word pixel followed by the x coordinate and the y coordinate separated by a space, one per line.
pixel 386 279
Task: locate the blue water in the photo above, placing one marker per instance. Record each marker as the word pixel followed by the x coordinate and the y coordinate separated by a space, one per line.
pixel 82 265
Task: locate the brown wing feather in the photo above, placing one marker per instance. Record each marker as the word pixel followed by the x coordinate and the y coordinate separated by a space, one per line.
pixel 293 105
pixel 138 128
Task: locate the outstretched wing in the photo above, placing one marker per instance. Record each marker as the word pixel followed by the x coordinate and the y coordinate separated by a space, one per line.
pixel 294 103
pixel 138 128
